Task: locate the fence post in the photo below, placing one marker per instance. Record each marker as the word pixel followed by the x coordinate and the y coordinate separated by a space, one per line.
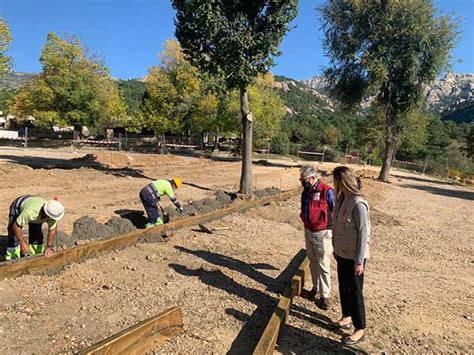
pixel 424 167
pixel 120 141
pixel 26 137
pixel 322 157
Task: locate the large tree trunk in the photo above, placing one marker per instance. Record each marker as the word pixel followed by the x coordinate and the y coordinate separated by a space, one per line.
pixel 246 175
pixel 390 144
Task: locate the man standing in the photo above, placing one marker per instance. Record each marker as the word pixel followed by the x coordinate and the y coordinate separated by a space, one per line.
pixel 150 197
pixel 32 211
pixel 317 206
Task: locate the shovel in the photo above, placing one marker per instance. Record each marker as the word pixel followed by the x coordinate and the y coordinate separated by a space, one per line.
pixel 205 229
pixel 166 216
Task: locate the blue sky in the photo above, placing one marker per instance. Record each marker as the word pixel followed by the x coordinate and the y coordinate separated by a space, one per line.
pixel 129 34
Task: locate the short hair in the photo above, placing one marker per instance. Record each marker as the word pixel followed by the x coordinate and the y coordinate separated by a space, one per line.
pixel 307 172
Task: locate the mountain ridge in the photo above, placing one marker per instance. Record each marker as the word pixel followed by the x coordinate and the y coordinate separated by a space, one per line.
pixel 452 96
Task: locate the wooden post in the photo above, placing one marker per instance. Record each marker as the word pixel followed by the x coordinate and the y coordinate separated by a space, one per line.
pixel 141 337
pixel 322 157
pixel 426 164
pixel 267 342
pixel 26 137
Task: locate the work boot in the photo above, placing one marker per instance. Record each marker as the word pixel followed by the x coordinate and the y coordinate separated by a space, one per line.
pixel 311 294
pixel 149 225
pixel 324 303
pixel 159 221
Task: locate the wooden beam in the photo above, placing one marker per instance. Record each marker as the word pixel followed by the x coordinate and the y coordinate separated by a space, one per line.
pixel 298 280
pixel 267 342
pixel 141 337
pixel 38 264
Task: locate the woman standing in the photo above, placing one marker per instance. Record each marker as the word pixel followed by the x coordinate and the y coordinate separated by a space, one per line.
pixel 351 249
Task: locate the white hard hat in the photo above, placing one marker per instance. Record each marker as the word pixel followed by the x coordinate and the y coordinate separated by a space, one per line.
pixel 54 209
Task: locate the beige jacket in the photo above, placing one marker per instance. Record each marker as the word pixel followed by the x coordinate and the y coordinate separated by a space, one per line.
pixel 345 234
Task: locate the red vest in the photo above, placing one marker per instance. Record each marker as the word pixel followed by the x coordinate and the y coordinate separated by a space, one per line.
pixel 319 214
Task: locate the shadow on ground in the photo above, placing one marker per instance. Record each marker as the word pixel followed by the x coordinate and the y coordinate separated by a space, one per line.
pixel 300 341
pixel 198 186
pixel 3 247
pixel 255 323
pixel 89 161
pixel 275 285
pixel 421 179
pixel 465 195
pixel 137 217
pixel 248 336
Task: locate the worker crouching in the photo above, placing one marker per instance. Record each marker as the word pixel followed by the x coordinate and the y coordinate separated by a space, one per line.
pixel 32 211
pixel 150 196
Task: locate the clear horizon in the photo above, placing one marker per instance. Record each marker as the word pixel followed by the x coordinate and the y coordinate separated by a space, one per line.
pixel 129 34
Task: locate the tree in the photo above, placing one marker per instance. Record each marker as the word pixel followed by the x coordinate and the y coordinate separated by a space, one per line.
pixel 387 48
pixel 236 38
pixel 470 142
pixel 72 89
pixel 132 91
pixel 267 107
pixel 173 91
pixel 5 40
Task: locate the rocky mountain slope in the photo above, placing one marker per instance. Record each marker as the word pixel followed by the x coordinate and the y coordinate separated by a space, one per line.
pixel 451 96
pixel 15 80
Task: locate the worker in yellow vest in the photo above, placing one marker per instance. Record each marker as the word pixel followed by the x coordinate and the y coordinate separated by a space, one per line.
pixel 150 196
pixel 32 211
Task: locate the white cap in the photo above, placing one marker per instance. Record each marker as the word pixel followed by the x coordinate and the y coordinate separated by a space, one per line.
pixel 54 209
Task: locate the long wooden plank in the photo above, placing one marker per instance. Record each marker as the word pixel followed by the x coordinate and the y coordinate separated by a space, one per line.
pixel 141 337
pixel 38 264
pixel 267 342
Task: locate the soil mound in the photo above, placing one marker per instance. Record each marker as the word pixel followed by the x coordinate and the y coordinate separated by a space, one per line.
pixel 87 228
pixel 267 192
pixel 120 225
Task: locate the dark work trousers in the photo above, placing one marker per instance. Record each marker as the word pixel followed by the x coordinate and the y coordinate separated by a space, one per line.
pixel 351 292
pixel 149 198
pixel 35 234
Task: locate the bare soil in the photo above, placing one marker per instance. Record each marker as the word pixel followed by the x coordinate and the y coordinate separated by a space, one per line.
pixel 418 286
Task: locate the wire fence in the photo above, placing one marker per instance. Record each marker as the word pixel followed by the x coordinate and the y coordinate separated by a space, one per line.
pixel 46 138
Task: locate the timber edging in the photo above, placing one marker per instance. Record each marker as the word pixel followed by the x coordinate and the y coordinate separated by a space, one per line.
pixel 141 337
pixel 39 264
pixel 267 342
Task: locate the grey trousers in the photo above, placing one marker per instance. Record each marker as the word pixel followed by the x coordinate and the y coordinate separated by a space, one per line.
pixel 319 251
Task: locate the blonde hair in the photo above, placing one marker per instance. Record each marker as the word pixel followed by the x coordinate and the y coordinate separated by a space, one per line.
pixel 344 179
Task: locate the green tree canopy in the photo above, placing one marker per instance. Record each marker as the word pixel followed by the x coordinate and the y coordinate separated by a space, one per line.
pixel 388 49
pixel 177 96
pixel 5 40
pixel 72 89
pixel 237 39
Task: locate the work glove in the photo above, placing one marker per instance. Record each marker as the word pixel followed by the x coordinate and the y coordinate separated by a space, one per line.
pixel 180 209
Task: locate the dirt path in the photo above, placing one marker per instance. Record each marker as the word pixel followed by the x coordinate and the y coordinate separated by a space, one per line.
pixel 418 289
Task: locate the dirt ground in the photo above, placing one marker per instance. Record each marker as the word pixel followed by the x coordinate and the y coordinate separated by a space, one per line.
pixel 418 287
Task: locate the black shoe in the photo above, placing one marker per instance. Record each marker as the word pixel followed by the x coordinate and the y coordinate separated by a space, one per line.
pixel 348 341
pixel 310 295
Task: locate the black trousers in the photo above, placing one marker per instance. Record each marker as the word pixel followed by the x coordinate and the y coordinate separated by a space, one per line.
pixel 351 292
pixel 150 200
pixel 35 233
